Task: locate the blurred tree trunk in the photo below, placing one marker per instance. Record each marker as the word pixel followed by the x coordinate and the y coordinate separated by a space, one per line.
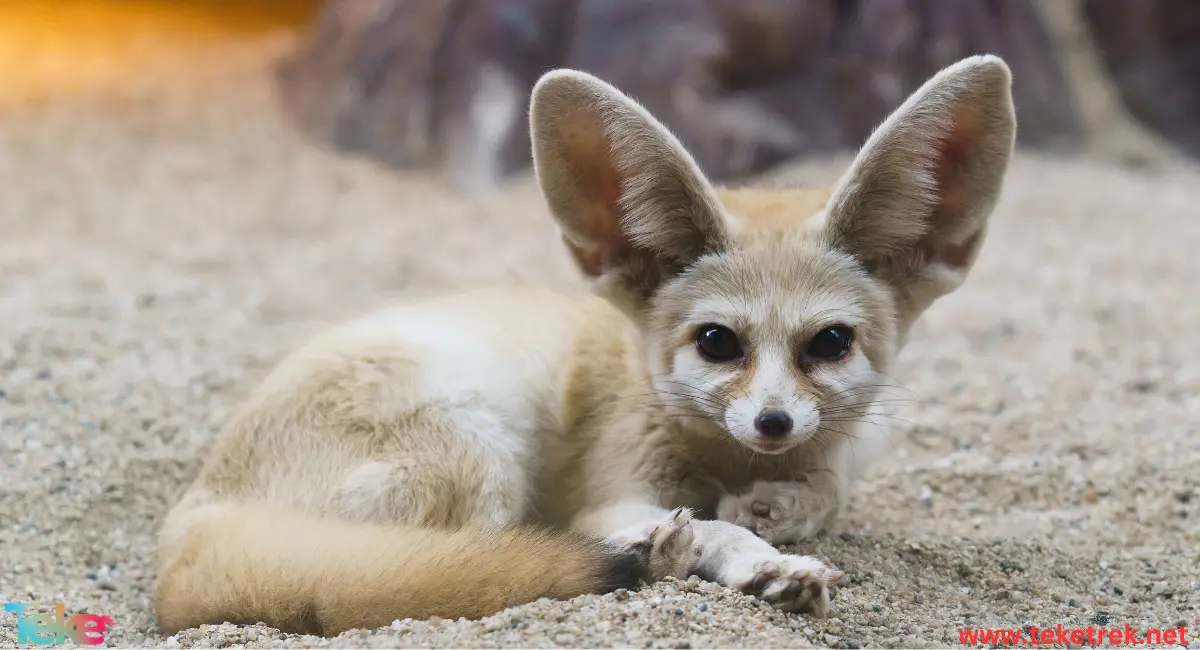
pixel 745 84
pixel 1152 50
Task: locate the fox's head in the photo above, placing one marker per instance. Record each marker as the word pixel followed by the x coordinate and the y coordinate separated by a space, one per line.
pixel 773 313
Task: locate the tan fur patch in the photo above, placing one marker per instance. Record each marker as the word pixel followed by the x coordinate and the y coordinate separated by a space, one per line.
pixel 781 212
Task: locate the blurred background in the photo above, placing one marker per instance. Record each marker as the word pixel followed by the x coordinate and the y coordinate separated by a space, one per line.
pixel 747 84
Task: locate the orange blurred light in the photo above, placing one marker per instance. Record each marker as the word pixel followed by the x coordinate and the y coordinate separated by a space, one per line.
pixel 52 48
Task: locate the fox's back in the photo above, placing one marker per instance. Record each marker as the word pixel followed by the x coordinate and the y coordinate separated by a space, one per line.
pixel 518 341
pixel 519 355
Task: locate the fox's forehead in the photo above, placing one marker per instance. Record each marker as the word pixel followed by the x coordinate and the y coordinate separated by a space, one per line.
pixel 763 211
pixel 777 288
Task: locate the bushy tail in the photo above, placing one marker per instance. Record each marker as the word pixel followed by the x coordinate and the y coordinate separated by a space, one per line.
pixel 317 575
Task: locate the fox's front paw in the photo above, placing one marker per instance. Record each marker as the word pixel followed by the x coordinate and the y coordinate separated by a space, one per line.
pixel 792 583
pixel 667 546
pixel 781 512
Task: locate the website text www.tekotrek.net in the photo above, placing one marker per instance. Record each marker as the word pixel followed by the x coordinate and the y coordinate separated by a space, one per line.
pixel 1059 635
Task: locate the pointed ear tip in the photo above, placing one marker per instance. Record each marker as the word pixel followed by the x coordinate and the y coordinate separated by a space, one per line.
pixel 561 88
pixel 563 79
pixel 983 68
pixel 548 92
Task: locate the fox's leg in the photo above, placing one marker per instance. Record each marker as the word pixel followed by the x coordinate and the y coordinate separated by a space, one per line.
pixel 719 551
pixel 423 490
pixel 735 557
pixel 442 469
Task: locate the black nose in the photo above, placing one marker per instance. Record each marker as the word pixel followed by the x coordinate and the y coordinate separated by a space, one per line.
pixel 773 423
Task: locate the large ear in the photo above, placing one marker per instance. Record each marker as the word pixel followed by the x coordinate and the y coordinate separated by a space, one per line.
pixel 633 207
pixel 914 205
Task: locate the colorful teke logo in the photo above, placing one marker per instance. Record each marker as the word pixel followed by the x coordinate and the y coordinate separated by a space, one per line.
pixel 56 628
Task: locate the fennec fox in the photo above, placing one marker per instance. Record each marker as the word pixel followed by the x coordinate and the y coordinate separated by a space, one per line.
pixel 718 394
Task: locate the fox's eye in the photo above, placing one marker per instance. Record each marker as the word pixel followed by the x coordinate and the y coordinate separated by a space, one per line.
pixel 830 343
pixel 718 343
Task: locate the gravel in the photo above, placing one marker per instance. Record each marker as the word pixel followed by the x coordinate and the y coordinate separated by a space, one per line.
pixel 163 244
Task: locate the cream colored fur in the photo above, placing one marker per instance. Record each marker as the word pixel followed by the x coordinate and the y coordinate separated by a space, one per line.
pixel 456 455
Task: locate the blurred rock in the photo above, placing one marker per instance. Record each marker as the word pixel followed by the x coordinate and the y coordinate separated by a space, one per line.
pixel 745 84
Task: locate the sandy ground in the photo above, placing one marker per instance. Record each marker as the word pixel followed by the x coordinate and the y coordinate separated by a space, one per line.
pixel 161 248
